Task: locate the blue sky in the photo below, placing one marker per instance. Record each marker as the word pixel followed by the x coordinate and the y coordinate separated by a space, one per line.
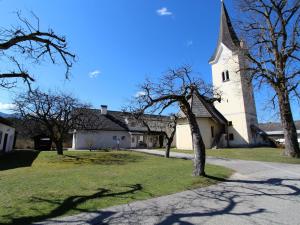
pixel 119 43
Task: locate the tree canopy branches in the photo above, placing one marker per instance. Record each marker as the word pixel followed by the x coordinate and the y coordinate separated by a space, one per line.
pixel 30 43
pixel 57 113
pixel 271 29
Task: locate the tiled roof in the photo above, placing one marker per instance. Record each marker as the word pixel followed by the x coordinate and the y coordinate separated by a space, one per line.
pixel 202 107
pixel 275 126
pixel 92 119
pixel 227 35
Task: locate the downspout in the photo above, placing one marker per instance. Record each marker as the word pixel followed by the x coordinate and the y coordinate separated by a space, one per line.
pixel 192 99
pixel 227 135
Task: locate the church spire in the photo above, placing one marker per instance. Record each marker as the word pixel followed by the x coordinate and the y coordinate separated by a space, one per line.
pixel 227 35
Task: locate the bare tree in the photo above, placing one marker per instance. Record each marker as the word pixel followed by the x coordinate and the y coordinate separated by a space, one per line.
pixel 58 113
pixel 176 87
pixel 271 30
pixel 27 43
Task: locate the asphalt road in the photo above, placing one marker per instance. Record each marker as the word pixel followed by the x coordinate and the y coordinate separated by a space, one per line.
pixel 259 193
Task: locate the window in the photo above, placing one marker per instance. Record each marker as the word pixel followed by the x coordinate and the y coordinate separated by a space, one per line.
pixel 123 138
pixel 231 137
pixel 212 131
pixel 114 138
pixel 227 75
pixel 1 133
pixel 230 123
pixel 132 139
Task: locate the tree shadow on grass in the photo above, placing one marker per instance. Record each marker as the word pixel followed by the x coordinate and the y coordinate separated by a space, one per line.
pixel 73 203
pixel 17 159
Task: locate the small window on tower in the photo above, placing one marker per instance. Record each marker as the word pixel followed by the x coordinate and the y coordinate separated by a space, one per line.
pixel 227 75
pixel 230 123
pixel 223 76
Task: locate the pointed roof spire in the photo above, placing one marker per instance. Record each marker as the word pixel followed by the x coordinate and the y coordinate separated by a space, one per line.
pixel 227 35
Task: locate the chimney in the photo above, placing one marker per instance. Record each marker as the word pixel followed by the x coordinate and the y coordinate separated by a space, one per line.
pixel 103 109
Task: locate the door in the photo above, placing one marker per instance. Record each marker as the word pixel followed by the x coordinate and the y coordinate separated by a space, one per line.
pixel 4 142
pixel 133 142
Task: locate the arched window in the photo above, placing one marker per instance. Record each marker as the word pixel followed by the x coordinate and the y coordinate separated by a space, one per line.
pixel 227 75
pixel 223 76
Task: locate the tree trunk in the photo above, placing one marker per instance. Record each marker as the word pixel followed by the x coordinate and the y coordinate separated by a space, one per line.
pixel 198 146
pixel 167 153
pixel 59 147
pixel 169 142
pixel 288 125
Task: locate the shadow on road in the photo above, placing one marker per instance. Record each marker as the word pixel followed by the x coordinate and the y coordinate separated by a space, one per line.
pixel 232 199
pixel 210 202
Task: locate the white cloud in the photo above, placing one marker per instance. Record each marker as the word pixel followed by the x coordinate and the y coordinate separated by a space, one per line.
pixel 140 93
pixel 7 106
pixel 164 12
pixel 94 74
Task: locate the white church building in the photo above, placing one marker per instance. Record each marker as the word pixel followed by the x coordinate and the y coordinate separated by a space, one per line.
pixel 232 122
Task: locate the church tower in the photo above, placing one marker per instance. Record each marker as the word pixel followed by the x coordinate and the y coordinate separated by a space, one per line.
pixel 237 104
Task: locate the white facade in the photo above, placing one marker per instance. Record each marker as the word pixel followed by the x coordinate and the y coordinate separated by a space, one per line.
pixel 208 128
pixel 7 137
pixel 100 139
pixel 237 104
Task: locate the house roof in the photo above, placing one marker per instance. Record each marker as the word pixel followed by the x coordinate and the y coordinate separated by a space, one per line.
pixel 203 107
pixel 211 108
pixel 93 119
pixel 227 35
pixel 272 127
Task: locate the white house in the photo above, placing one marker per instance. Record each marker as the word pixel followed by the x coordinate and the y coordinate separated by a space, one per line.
pixel 7 136
pixel 102 129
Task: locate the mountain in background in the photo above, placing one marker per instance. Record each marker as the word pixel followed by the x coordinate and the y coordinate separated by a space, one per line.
pixel 6 115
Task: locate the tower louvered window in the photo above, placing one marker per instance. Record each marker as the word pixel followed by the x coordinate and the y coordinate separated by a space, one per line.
pixel 225 76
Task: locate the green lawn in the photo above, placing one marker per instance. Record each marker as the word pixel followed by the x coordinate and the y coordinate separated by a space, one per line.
pixel 37 186
pixel 256 154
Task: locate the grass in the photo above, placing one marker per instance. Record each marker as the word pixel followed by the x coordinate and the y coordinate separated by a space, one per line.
pixel 256 154
pixel 47 185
